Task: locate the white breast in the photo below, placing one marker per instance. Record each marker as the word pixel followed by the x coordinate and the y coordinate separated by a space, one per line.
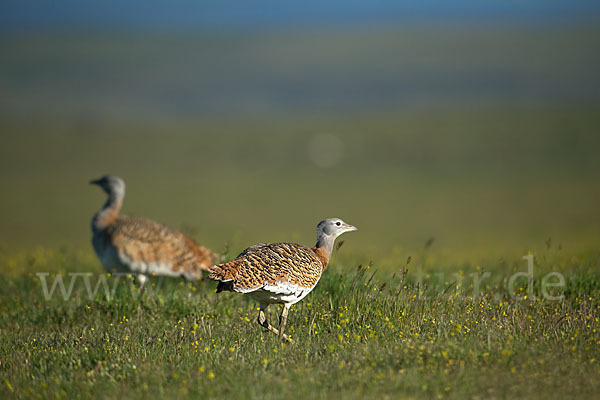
pixel 280 293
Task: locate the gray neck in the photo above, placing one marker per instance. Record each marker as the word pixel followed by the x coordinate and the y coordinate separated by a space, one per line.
pixel 325 242
pixel 113 199
pixel 110 209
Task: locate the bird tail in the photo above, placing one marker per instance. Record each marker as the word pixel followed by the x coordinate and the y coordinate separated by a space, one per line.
pixel 224 272
pixel 225 287
pixel 224 275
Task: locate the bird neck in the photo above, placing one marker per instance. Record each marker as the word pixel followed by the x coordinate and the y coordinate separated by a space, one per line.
pixel 324 248
pixel 323 255
pixel 109 212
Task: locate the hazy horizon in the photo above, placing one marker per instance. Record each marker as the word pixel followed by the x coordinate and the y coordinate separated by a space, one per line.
pixel 237 14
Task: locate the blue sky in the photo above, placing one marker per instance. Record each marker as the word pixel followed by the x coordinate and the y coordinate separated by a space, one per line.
pixel 226 14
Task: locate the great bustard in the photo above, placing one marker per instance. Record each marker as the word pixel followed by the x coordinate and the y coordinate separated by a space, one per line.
pixel 279 273
pixel 141 246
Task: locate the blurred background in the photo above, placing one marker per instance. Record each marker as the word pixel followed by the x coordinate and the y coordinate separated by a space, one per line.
pixel 473 123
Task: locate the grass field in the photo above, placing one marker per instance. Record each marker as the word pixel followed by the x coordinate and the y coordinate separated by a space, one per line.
pixel 455 153
pixel 362 332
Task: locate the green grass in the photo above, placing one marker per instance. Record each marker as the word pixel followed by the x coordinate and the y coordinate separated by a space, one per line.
pixel 363 332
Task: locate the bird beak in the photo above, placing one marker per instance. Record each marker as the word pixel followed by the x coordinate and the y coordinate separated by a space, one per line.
pixel 95 182
pixel 350 228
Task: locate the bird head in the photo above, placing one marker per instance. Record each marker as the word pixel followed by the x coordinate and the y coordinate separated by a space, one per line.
pixel 110 184
pixel 333 227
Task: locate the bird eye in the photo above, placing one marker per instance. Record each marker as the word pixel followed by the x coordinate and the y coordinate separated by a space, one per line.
pixel 338 223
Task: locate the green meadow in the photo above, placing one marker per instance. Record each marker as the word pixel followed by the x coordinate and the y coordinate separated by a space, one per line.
pixel 420 302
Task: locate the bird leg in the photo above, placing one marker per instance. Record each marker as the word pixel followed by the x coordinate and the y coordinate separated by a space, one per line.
pixel 262 321
pixel 142 280
pixel 140 292
pixel 282 322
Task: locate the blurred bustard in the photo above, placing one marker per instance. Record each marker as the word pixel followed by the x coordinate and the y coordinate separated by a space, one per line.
pixel 141 246
pixel 279 273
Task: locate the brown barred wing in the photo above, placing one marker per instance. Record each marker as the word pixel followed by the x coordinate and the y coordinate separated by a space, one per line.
pixel 270 265
pixel 153 243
